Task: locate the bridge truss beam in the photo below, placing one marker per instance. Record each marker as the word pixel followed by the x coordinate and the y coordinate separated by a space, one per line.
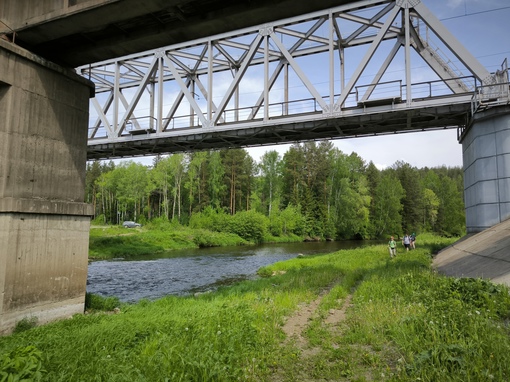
pixel 344 72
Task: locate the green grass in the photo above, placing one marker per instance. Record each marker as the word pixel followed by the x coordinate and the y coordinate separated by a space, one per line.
pixel 114 242
pixel 406 323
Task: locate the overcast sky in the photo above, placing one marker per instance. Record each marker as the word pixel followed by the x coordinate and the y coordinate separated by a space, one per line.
pixel 483 27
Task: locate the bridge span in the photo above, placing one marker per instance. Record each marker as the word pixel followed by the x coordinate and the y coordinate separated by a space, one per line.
pixel 359 69
pixel 221 73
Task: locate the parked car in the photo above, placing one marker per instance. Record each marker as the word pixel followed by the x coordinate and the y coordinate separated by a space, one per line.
pixel 130 224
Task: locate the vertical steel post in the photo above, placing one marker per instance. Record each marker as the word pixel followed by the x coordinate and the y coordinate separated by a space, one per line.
pixel 266 77
pixel 160 96
pixel 116 98
pixel 407 27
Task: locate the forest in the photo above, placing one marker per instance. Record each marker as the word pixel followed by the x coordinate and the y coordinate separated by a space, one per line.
pixel 314 191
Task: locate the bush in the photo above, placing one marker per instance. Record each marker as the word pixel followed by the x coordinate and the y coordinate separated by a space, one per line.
pixel 250 225
pixel 211 219
pixel 99 220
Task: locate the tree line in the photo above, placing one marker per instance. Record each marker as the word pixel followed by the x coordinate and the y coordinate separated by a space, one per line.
pixel 314 190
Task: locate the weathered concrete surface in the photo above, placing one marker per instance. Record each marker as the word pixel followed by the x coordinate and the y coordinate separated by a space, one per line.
pixel 485 254
pixel 44 223
pixel 77 32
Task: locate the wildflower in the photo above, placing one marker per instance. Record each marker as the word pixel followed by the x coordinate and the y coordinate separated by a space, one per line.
pixel 477 312
pixel 186 328
pixel 219 332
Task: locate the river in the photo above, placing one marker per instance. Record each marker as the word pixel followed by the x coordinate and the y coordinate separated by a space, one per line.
pixel 192 271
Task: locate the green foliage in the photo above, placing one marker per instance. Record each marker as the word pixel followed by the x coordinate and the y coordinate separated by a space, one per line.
pixel 123 245
pixel 157 236
pixel 22 364
pixel 25 324
pixel 403 323
pixel 206 238
pixel 338 195
pixel 212 219
pixel 293 222
pixel 386 217
pixel 96 302
pixel 98 220
pixel 412 198
pixel 250 225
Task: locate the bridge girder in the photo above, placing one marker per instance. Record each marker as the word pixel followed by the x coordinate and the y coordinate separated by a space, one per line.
pixel 300 78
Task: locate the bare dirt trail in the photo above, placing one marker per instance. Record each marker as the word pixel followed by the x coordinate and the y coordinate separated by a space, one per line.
pixel 296 325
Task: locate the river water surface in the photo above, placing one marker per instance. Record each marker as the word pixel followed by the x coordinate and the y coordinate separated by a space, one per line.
pixel 194 270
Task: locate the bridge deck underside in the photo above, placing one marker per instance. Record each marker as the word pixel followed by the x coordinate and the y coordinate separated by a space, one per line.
pixel 314 126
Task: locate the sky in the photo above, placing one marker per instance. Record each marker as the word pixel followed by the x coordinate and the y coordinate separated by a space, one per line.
pixel 483 28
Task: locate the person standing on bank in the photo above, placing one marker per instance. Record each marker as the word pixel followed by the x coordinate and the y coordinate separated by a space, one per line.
pixel 413 239
pixel 392 245
pixel 406 241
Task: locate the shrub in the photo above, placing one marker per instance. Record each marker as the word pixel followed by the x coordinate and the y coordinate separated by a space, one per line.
pixel 211 219
pixel 250 225
pixel 99 220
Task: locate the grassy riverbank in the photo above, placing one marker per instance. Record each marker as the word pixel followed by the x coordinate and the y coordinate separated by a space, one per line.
pixel 107 242
pixel 401 322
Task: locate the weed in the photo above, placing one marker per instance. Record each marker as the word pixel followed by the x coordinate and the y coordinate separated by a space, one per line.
pixel 96 302
pixel 22 364
pixel 25 324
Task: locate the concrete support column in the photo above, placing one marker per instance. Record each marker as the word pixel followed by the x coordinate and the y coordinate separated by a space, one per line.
pixel 44 222
pixel 486 157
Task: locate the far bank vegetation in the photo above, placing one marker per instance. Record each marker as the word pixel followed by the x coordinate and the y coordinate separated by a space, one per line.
pixel 315 191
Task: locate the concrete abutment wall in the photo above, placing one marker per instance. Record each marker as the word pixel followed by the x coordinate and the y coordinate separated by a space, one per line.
pixel 44 222
pixel 486 157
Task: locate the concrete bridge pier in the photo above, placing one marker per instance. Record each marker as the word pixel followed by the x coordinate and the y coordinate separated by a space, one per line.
pixel 44 222
pixel 486 157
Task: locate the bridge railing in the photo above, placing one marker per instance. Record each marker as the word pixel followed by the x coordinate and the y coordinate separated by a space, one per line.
pixel 362 96
pixel 484 97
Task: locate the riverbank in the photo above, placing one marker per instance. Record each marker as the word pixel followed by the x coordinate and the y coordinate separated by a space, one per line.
pixel 369 318
pixel 108 242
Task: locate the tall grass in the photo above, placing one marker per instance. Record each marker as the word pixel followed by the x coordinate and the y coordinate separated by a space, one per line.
pixel 406 323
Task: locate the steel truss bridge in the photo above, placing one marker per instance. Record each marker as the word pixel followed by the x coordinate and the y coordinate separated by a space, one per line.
pixel 339 73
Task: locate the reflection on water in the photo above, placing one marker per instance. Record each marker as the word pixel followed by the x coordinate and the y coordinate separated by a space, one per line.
pixel 194 270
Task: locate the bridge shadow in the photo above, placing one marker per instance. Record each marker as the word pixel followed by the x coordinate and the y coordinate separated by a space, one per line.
pixel 485 255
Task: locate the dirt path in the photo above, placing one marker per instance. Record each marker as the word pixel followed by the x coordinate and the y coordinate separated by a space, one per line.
pixel 294 329
pixel 296 324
